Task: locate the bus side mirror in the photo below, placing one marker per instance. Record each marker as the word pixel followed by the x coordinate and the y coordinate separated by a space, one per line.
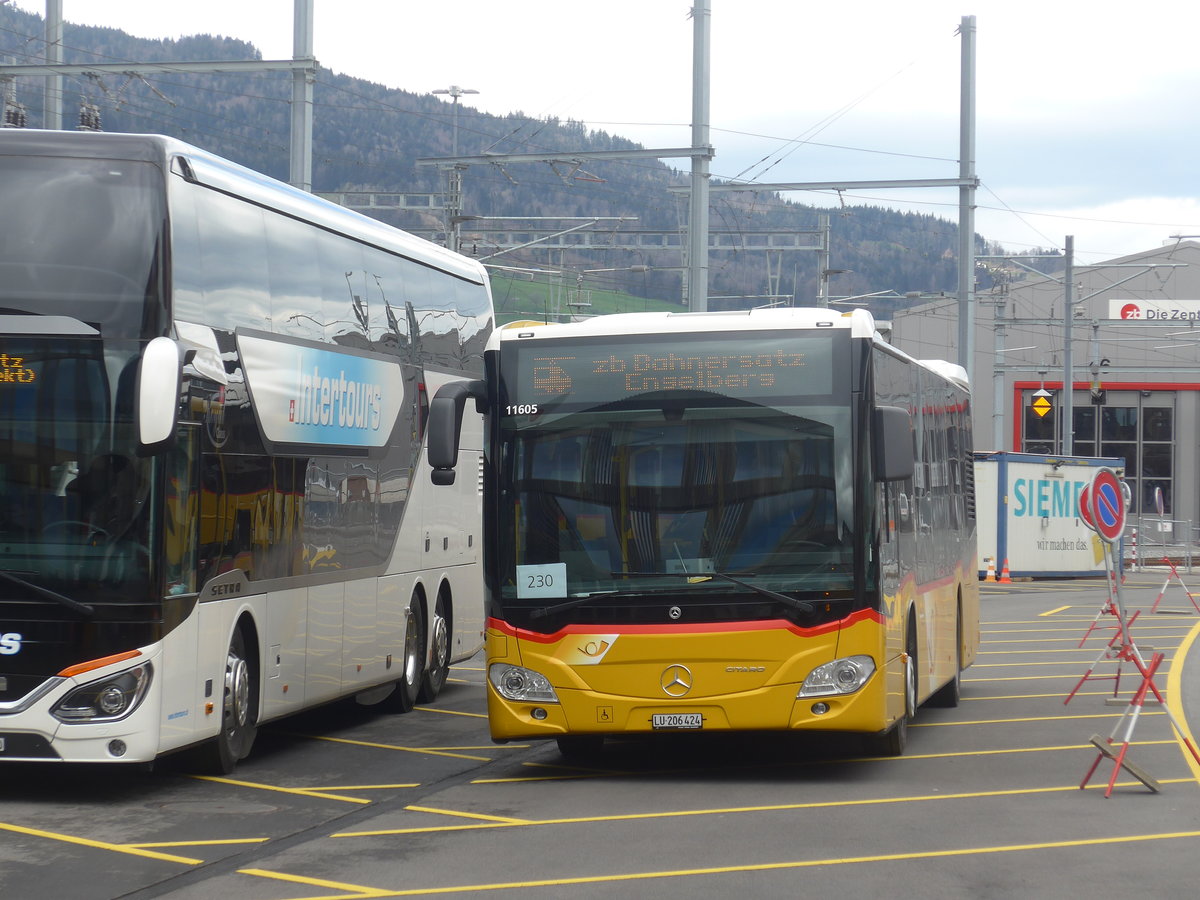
pixel 444 428
pixel 157 394
pixel 893 444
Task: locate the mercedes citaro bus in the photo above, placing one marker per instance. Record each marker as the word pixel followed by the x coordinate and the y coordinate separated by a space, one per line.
pixel 715 522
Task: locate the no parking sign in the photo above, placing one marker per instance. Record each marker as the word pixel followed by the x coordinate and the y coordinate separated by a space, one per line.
pixel 1102 505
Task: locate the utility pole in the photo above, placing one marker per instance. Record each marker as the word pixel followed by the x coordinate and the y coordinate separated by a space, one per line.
pixel 52 96
pixel 12 111
pixel 697 260
pixel 1068 402
pixel 300 162
pixel 966 201
pixel 967 181
pixel 53 70
pixel 455 92
pixel 454 174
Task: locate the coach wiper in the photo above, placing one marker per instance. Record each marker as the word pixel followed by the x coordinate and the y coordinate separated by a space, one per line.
pixel 802 605
pixel 84 609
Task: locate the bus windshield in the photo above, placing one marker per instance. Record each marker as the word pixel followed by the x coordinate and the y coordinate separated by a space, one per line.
pixel 690 493
pixel 74 489
pixel 81 248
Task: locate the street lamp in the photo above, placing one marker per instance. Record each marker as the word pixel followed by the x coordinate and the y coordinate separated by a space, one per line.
pixel 454 173
pixel 455 92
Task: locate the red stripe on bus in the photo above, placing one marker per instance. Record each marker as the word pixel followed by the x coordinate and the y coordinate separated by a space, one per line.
pixel 862 615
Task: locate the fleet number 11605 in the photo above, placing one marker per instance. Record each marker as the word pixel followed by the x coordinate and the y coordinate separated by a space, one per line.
pixel 522 409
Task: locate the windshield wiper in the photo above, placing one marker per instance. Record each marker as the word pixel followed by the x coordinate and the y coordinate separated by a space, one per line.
pixel 570 604
pixel 801 605
pixel 84 609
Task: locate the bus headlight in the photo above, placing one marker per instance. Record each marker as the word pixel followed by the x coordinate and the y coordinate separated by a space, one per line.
pixel 842 676
pixel 105 699
pixel 516 683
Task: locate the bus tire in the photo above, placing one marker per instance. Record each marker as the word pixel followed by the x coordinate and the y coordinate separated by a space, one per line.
pixel 435 675
pixel 404 697
pixel 239 711
pixel 948 695
pixel 893 741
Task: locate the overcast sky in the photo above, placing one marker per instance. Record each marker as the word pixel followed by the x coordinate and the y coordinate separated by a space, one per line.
pixel 1086 115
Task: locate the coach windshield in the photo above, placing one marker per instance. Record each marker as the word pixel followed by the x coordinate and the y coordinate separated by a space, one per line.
pixel 80 288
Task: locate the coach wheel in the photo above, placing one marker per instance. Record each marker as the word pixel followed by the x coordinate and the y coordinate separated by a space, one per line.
pixel 239 710
pixel 404 697
pixel 439 656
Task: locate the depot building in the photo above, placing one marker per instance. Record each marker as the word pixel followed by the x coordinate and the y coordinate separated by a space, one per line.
pixel 1127 350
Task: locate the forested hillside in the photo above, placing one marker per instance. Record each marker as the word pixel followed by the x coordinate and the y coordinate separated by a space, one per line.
pixel 367 137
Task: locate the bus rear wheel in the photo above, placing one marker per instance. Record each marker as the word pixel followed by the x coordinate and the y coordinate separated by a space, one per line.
pixel 439 658
pixel 948 695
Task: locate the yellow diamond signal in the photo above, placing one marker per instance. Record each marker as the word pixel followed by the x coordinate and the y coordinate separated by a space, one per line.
pixel 1041 406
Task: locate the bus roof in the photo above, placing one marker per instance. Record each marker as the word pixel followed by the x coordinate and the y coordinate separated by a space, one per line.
pixel 216 172
pixel 859 321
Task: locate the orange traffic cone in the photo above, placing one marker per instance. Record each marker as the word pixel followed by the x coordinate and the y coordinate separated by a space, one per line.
pixel 991 570
pixel 1004 577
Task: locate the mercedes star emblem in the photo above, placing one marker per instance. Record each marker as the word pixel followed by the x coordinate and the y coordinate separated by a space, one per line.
pixel 676 681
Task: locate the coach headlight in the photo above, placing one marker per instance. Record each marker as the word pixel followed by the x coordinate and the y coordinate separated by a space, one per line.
pixel 516 683
pixel 105 699
pixel 842 676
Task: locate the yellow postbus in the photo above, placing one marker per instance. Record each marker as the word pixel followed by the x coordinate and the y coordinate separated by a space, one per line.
pixel 752 521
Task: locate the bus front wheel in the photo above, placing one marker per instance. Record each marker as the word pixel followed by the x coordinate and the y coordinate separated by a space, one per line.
pixel 894 740
pixel 239 710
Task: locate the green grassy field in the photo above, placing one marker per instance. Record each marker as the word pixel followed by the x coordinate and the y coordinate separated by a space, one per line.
pixel 517 298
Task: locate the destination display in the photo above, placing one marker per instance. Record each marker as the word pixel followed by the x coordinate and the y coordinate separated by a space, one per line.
pixel 14 370
pixel 755 367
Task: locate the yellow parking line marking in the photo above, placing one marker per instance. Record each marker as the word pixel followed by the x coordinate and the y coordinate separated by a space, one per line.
pixel 1175 692
pixel 908 757
pixel 736 810
pixel 355 890
pixel 303 792
pixel 1051 612
pixel 366 787
pixel 507 820
pixel 1057 695
pixel 1026 664
pixel 1111 715
pixel 99 845
pixel 379 746
pixel 212 843
pixel 751 867
pixel 992 679
pixel 1014 652
pixel 453 712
